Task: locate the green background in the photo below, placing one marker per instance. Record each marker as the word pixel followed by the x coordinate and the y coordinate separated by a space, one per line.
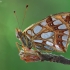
pixel 38 10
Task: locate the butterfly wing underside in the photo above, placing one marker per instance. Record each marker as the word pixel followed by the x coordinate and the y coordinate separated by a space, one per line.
pixel 52 33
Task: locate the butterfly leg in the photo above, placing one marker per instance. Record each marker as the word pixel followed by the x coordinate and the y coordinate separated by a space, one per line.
pixel 17 44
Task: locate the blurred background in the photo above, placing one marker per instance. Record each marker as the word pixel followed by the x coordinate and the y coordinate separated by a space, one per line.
pixel 38 10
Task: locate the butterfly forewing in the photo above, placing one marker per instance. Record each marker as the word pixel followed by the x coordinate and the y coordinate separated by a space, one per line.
pixel 51 34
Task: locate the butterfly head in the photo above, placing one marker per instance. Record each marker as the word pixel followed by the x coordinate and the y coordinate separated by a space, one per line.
pixel 18 33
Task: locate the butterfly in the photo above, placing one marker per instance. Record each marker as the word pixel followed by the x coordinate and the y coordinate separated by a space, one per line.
pixel 50 34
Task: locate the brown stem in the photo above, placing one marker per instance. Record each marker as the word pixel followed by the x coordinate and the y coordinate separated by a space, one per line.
pixel 54 58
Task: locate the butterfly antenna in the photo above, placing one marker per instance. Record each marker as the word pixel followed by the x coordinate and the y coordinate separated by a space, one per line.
pixel 16 18
pixel 24 15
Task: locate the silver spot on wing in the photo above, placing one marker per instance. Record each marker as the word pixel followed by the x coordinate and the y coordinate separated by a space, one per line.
pixel 64 37
pixel 66 32
pixel 63 26
pixel 47 35
pixel 39 41
pixel 48 48
pixel 37 29
pixel 57 22
pixel 64 43
pixel 57 47
pixel 44 23
pixel 49 43
pixel 30 32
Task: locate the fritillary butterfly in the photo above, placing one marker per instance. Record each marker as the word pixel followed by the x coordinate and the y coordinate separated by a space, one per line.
pixel 49 34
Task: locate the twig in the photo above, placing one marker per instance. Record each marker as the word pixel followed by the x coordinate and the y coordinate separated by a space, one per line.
pixel 54 58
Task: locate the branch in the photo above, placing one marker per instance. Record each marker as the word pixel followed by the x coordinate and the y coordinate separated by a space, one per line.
pixel 32 56
pixel 54 58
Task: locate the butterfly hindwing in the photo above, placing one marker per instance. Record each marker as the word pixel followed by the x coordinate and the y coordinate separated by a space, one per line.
pixel 52 33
